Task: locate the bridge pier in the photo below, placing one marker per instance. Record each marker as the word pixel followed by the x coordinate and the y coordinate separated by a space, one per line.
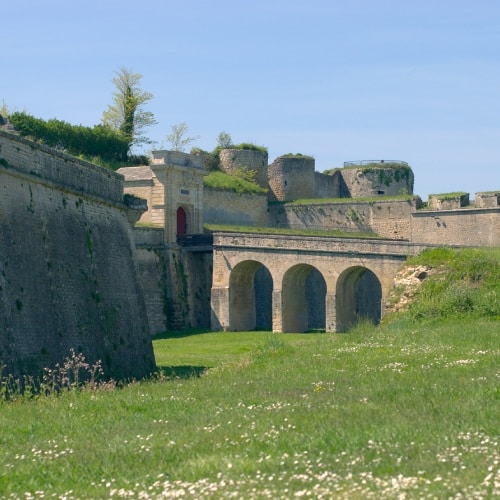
pixel 219 314
pixel 330 313
pixel 277 311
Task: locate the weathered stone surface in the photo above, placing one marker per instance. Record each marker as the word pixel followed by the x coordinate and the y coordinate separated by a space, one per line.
pixel 67 272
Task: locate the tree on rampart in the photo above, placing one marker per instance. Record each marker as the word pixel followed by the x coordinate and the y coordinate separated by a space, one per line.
pixel 125 114
pixel 178 138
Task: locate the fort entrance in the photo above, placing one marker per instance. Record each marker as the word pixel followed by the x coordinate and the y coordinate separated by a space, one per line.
pixel 300 284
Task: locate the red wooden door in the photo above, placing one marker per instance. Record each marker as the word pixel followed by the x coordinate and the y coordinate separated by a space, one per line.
pixel 181 222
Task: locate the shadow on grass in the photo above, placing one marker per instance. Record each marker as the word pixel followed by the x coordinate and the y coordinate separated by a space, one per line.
pixel 181 334
pixel 182 371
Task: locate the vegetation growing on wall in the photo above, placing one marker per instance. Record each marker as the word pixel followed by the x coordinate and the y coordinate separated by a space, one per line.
pixel 399 171
pixel 297 155
pixel 324 201
pixel 449 196
pixel 227 182
pixel 286 231
pixel 387 172
pixel 99 141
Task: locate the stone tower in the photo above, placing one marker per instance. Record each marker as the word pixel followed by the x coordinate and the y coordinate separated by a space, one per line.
pixel 234 160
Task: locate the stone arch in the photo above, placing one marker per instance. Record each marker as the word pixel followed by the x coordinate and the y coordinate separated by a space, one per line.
pixel 358 297
pixel 250 297
pixel 303 299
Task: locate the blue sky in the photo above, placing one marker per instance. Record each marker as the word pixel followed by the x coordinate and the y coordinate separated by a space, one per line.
pixel 338 80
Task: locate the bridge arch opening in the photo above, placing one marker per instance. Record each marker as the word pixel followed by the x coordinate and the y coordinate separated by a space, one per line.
pixel 250 297
pixel 303 299
pixel 358 297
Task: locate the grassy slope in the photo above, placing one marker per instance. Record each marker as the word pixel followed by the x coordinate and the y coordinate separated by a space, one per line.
pixel 408 408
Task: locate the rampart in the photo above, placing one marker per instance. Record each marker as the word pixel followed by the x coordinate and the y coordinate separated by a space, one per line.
pixel 386 218
pixel 228 207
pixel 464 227
pixel 67 265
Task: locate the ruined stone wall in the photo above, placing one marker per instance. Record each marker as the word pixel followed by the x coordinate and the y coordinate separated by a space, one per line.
pixel 291 178
pixel 448 202
pixel 67 272
pixel 228 207
pixel 327 186
pixel 488 200
pixel 377 181
pixel 465 227
pixel 387 218
pixel 233 160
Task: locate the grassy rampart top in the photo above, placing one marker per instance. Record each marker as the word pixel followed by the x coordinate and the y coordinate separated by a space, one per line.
pixel 285 231
pixel 226 182
pixel 324 201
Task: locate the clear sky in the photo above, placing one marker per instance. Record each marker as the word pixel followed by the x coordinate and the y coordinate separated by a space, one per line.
pixel 339 80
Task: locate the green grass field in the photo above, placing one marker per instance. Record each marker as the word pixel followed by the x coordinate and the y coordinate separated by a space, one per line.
pixel 409 409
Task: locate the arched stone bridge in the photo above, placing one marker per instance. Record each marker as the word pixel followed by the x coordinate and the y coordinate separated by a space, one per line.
pixel 297 284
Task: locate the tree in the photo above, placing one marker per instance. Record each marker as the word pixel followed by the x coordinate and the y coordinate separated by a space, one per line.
pixel 179 139
pixel 224 141
pixel 126 115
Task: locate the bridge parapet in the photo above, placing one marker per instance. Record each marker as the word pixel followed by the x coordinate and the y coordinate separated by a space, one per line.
pixel 318 244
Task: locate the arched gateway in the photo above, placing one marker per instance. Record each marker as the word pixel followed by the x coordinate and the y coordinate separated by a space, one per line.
pixel 298 284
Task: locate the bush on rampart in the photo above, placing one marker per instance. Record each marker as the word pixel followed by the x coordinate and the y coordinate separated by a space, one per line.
pixel 98 141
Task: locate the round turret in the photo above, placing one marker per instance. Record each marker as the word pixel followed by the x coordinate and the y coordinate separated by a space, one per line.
pixel 291 177
pixel 377 178
pixel 236 160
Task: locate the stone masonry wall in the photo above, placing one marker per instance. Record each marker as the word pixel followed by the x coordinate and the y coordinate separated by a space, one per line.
pixel 228 207
pixel 465 227
pixel 488 200
pixel 151 258
pixel 67 266
pixel 387 218
pixel 377 181
pixel 326 186
pixel 232 160
pixel 291 178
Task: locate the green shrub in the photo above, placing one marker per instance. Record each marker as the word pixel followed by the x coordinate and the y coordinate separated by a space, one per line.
pixel 99 141
pixel 250 146
pixel 467 282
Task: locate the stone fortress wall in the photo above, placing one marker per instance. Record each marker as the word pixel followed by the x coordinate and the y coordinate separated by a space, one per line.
pixel 67 265
pixel 178 278
pixel 293 177
pixel 74 274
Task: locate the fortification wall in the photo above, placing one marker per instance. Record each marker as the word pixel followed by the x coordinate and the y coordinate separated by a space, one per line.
pixel 291 178
pixel 232 160
pixel 67 272
pixel 387 218
pixel 151 269
pixel 327 186
pixel 60 169
pixel 377 181
pixel 488 200
pixel 228 207
pixel 465 227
